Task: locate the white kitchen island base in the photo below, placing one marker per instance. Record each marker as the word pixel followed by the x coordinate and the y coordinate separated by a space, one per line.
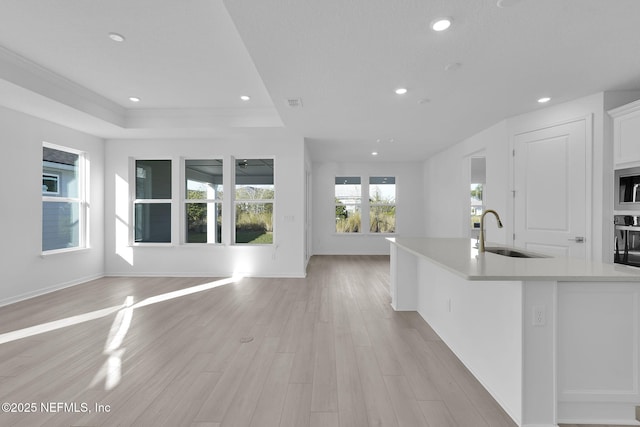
pixel 549 343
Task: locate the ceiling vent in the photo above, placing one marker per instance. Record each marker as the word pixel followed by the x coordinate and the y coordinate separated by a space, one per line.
pixel 294 102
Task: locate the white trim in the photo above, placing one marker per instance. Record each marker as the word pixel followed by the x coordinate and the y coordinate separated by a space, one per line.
pixel 204 274
pixel 233 201
pixel 133 173
pixel 47 290
pixel 365 205
pixel 64 251
pixel 82 199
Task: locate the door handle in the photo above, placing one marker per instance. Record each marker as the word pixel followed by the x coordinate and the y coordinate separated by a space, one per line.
pixel 577 239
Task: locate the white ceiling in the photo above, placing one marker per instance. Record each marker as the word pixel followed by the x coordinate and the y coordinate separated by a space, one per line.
pixel 190 60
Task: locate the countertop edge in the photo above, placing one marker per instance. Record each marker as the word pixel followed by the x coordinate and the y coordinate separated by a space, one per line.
pixel 603 277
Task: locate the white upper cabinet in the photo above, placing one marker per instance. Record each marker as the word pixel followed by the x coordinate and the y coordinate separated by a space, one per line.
pixel 626 135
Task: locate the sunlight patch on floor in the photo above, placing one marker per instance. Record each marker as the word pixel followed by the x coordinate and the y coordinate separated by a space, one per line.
pixel 125 311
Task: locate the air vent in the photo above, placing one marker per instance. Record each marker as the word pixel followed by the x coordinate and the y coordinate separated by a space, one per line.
pixel 294 102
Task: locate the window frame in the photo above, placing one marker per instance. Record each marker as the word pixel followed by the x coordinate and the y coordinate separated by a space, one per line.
pixel 185 201
pixel 365 204
pixel 358 206
pixel 235 201
pixel 371 204
pixel 82 200
pixel 135 201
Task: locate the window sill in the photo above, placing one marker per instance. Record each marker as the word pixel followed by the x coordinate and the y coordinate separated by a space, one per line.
pixel 64 251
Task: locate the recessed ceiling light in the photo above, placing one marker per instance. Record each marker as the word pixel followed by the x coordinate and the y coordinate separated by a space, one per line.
pixel 507 3
pixel 116 37
pixel 375 153
pixel 401 91
pixel 453 66
pixel 245 97
pixel 134 99
pixel 441 24
pixel 544 99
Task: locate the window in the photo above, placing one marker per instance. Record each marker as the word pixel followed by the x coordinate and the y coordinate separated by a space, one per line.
pixel 64 205
pixel 254 201
pixel 348 198
pixel 382 204
pixel 203 201
pixel 152 204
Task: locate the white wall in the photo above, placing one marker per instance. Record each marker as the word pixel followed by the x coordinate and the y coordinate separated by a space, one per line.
pixel 24 272
pixel 409 205
pixel 308 208
pixel 447 179
pixel 284 258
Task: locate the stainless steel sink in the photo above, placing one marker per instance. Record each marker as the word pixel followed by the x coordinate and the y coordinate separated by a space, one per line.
pixel 514 253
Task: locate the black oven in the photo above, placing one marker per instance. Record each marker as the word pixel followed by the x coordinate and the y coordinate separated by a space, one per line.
pixel 627 240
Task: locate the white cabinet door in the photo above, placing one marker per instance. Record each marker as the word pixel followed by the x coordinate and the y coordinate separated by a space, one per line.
pixel 550 182
pixel 626 135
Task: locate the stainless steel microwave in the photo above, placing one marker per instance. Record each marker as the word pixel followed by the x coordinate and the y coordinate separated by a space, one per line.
pixel 627 188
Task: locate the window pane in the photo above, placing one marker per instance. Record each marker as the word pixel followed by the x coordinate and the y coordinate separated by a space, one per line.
pixel 60 225
pixel 254 179
pixel 204 179
pixel 204 223
pixel 348 218
pixel 382 219
pixel 153 222
pixel 63 167
pixel 348 196
pixel 153 179
pixel 254 223
pixel 348 190
pixel 382 190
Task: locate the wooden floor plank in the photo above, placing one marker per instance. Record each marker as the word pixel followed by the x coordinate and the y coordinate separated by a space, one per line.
pixel 377 401
pixel 297 406
pixel 324 397
pixel 407 409
pixel 269 408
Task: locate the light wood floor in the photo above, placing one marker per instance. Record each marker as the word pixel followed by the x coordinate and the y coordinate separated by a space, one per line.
pixel 322 351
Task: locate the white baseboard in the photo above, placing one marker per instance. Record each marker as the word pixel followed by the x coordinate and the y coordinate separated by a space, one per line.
pixel 598 412
pixel 49 289
pixel 301 275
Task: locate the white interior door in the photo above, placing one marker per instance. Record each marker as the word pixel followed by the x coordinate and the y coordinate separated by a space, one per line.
pixel 550 181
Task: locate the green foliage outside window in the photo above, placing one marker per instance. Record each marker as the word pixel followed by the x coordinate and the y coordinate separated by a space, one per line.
pixel 254 221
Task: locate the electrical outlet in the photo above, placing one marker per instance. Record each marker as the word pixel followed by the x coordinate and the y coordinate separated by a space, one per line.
pixel 539 315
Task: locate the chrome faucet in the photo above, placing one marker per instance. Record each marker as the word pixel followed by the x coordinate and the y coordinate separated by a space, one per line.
pixel 481 239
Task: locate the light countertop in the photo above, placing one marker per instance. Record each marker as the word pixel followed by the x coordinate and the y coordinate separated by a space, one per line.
pixel 459 256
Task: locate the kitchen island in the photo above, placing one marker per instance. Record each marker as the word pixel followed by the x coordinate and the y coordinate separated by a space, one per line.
pixel 553 339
